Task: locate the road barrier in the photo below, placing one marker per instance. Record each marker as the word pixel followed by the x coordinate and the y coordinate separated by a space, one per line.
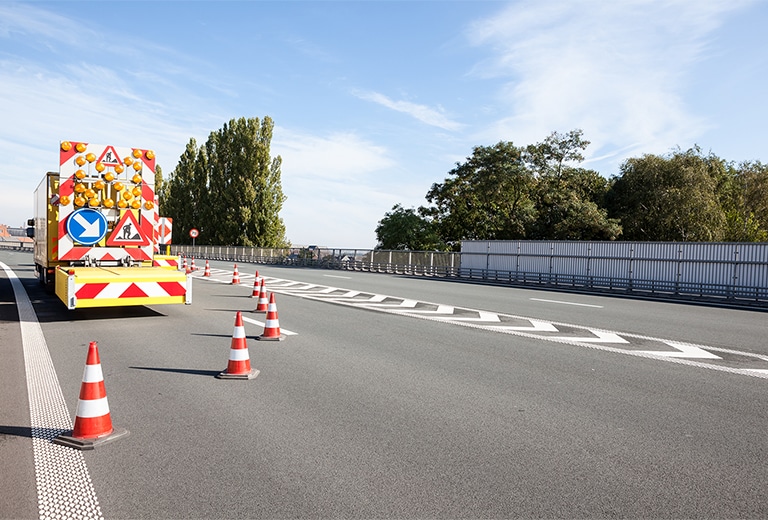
pixel 734 274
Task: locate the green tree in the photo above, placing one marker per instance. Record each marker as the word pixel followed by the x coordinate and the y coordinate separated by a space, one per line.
pixel 230 188
pixel 744 197
pixel 405 229
pixel 670 198
pixel 569 200
pixel 486 198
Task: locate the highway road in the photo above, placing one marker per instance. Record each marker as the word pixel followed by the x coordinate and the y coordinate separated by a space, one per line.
pixel 390 397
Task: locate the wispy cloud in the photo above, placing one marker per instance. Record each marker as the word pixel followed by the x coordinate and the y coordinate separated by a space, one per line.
pixel 427 115
pixel 618 70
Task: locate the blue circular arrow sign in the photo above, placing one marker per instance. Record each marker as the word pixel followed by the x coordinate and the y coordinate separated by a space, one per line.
pixel 87 226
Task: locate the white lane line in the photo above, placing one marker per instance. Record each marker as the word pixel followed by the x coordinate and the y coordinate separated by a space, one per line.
pixel 567 303
pixel 337 276
pixel 64 487
pixel 261 324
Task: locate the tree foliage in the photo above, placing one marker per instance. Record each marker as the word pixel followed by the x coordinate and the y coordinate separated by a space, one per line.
pixel 672 198
pixel 405 229
pixel 229 188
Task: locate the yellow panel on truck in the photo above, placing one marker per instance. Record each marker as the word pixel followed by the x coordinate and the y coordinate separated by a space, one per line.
pixel 98 233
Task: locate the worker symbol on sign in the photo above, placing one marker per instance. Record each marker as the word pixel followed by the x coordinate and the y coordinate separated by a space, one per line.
pixel 127 232
pixel 109 157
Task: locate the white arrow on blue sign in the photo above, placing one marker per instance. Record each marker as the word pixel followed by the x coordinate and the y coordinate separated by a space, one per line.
pixel 87 226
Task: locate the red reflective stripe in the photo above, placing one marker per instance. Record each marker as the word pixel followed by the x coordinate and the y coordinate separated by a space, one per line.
pixel 173 288
pixel 91 391
pixel 90 290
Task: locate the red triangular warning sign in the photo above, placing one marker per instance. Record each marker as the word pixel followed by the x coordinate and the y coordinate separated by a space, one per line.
pixel 127 232
pixel 109 157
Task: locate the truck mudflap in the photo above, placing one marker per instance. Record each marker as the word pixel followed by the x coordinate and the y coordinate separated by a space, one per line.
pixel 83 287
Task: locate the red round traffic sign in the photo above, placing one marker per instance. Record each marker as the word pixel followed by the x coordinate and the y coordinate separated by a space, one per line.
pixel 193 233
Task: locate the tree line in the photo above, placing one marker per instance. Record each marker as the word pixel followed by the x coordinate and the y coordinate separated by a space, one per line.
pixel 229 188
pixel 540 192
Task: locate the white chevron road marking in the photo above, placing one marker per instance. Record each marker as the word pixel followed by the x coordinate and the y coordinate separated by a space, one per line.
pixel 535 326
pixel 683 351
pixel 599 337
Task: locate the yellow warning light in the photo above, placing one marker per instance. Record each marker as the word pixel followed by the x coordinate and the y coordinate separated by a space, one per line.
pixel 118 186
pixel 150 154
pixel 81 147
pixel 109 176
pixel 80 160
pixel 137 165
pixel 149 204
pixel 93 202
pixel 66 146
pixel 79 188
pixel 136 191
pixel 127 195
pixel 128 161
pixel 90 157
pixel 100 167
pixel 137 179
pixel 119 168
pixel 137 153
pixel 136 204
pixel 89 193
pixel 80 174
pixel 79 201
pixel 108 203
pixel 122 204
pixel 99 185
pixel 64 200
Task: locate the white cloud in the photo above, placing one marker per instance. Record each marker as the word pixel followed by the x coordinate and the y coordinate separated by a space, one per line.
pixel 617 70
pixel 427 115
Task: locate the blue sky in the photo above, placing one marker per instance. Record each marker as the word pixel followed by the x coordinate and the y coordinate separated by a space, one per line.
pixel 374 101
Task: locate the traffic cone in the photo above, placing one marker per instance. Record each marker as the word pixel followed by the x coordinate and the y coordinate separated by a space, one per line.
pixel 93 424
pixel 263 304
pixel 256 282
pixel 192 267
pixel 184 265
pixel 207 269
pixel 235 277
pixel 272 325
pixel 239 366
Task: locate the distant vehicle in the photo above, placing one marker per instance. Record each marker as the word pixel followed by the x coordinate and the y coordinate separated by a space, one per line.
pixel 96 230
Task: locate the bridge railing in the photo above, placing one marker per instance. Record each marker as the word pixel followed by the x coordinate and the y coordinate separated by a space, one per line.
pixel 733 274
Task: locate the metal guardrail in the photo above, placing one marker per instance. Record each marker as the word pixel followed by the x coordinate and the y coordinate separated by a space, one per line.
pixel 448 266
pixel 16 246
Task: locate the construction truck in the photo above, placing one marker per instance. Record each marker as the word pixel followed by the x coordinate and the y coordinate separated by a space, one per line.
pixel 97 232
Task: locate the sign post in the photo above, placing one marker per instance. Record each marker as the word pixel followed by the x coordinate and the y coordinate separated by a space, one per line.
pixel 194 234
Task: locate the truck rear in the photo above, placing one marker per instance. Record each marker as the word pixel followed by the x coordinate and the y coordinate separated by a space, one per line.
pixel 96 227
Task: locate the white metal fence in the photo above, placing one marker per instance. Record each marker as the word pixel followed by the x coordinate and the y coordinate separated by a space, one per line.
pixel 735 273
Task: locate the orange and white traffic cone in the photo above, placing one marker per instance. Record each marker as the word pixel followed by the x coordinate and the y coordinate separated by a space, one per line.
pixel 239 366
pixel 263 304
pixel 256 282
pixel 235 276
pixel 192 267
pixel 184 264
pixel 207 271
pixel 93 423
pixel 272 325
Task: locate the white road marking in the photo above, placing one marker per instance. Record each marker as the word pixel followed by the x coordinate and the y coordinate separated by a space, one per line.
pixel 683 351
pixel 567 303
pixel 64 487
pixel 600 337
pixel 536 326
pixel 335 276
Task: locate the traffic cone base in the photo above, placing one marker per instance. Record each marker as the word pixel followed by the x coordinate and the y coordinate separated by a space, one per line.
pixel 248 375
pixel 89 444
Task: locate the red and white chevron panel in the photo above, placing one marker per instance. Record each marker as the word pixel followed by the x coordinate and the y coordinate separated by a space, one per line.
pixel 95 291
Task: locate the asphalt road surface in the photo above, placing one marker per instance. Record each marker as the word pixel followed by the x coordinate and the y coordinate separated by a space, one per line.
pixel 390 397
